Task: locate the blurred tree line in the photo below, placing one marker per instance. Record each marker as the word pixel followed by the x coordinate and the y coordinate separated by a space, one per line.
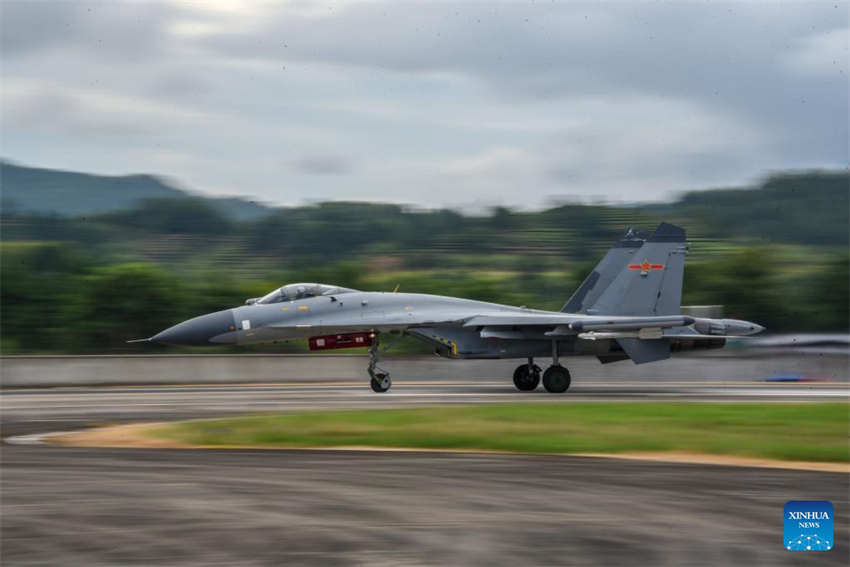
pixel 56 298
pixel 777 255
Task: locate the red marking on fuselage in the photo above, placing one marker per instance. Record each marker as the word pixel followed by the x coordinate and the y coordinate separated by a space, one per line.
pixel 645 266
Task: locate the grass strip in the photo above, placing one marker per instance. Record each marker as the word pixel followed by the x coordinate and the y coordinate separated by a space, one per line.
pixel 793 431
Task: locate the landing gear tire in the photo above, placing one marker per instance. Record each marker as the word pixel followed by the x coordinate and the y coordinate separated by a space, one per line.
pixel 526 377
pixel 556 379
pixel 380 382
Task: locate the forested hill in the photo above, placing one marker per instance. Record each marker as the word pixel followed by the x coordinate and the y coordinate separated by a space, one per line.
pixel 811 208
pixel 806 208
pixel 69 193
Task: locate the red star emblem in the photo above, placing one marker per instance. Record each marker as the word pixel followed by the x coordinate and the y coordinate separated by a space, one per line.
pixel 645 267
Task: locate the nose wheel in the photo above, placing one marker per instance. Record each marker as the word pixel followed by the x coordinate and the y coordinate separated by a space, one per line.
pixel 380 380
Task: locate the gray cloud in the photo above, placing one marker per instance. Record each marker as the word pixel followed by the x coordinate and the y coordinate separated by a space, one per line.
pixel 48 111
pixel 25 27
pixel 112 31
pixel 724 55
pixel 179 85
pixel 322 165
pixel 462 103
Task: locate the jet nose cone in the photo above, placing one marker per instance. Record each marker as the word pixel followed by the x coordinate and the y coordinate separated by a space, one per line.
pixel 757 329
pixel 197 331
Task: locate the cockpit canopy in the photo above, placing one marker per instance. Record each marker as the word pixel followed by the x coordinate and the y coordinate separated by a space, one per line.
pixel 291 292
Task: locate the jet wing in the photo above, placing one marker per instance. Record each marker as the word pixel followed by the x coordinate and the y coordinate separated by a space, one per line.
pixel 520 320
pixel 599 335
pixel 575 324
pixel 374 322
pixel 550 324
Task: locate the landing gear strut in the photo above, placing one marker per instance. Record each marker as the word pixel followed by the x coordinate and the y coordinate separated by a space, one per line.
pixel 380 379
pixel 527 376
pixel 556 379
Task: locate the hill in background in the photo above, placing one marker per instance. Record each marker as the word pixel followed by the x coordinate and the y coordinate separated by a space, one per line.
pixel 806 208
pixel 68 193
pixel 803 208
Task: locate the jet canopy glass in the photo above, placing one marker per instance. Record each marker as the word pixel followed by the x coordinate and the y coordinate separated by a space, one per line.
pixel 295 291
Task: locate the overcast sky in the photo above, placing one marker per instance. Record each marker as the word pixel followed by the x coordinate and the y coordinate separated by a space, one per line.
pixel 466 105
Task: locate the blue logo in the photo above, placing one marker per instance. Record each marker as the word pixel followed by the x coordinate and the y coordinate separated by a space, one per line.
pixel 808 525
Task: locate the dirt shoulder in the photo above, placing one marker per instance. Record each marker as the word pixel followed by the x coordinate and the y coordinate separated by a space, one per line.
pixel 139 435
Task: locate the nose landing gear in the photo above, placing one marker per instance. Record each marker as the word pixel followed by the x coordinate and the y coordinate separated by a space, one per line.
pixel 380 382
pixel 380 379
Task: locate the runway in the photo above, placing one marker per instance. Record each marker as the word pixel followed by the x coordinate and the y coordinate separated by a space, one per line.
pixel 112 507
pixel 39 408
pixel 185 507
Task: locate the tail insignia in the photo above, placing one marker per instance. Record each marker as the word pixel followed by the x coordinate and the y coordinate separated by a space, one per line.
pixel 645 267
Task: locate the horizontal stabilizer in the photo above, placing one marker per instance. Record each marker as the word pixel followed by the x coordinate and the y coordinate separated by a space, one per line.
pixel 613 357
pixel 641 351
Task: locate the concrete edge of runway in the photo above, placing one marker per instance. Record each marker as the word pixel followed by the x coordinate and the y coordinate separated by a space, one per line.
pixel 131 436
pixel 141 370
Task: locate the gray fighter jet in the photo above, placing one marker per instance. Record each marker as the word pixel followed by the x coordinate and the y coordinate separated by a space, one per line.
pixel 627 308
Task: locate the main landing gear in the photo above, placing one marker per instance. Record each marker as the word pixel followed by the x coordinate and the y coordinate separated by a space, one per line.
pixel 527 376
pixel 380 379
pixel 556 379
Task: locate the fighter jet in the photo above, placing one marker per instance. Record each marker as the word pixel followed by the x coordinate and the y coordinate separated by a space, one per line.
pixel 627 308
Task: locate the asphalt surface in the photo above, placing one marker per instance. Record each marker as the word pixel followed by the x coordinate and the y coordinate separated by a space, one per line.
pixel 49 409
pixel 217 507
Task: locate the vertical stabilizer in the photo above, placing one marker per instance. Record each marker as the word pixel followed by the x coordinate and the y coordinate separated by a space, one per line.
pixel 651 281
pixel 604 273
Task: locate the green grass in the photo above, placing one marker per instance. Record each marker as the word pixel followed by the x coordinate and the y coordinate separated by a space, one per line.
pixel 808 432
